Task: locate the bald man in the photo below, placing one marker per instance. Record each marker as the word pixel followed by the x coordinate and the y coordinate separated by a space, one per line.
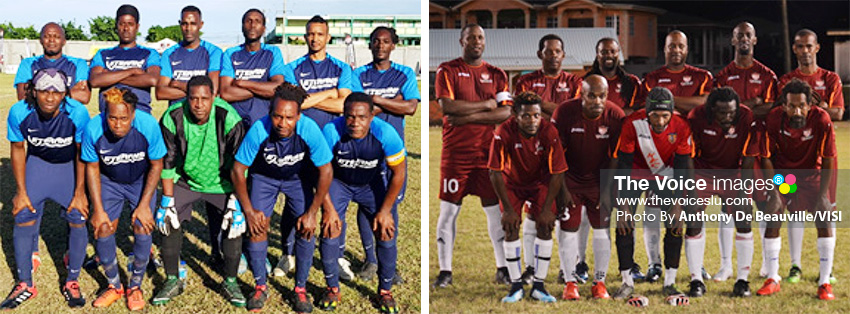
pixel 589 128
pixel 689 85
pixel 52 41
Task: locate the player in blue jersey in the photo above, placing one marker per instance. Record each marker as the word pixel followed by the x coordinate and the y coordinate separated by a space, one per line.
pixel 360 144
pixel 395 92
pixel 77 70
pixel 128 64
pixel 273 152
pixel 45 130
pixel 328 81
pixel 191 57
pixel 123 150
pixel 251 71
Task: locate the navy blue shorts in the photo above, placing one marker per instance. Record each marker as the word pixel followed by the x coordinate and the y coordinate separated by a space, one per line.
pixel 369 197
pixel 264 191
pixel 113 194
pixel 48 181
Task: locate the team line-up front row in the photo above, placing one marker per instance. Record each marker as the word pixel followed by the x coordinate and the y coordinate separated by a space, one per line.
pixel 680 131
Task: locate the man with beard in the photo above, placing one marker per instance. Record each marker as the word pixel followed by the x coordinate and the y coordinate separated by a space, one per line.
pixel 127 65
pixel 800 137
pixel 251 71
pixel 52 40
pixel 551 83
pixel 527 168
pixel 395 93
pixel 474 96
pixel 189 58
pixel 829 96
pixel 689 86
pixel 589 129
pixel 756 85
pixel 623 87
pixel 725 147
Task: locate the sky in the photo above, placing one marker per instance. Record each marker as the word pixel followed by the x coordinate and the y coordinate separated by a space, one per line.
pixel 221 17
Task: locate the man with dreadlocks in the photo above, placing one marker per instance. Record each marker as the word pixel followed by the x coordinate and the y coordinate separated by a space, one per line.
pixel 123 150
pixel 623 87
pixel 725 140
pixel 273 153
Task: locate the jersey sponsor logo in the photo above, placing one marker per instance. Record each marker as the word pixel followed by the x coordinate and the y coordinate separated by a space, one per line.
pixel 105 151
pixel 387 92
pixel 807 135
pixel 485 78
pixel 124 64
pixel 185 75
pixel 50 142
pixel 518 146
pixel 268 149
pixel 664 80
pixel 238 62
pixel 287 160
pixel 819 85
pixel 577 130
pixel 603 132
pixel 755 78
pixel 562 88
pixel 734 77
pixel 124 158
pixel 173 63
pixel 618 88
pixel 250 74
pixel 538 85
pixel 463 74
pixel 686 81
pixel 367 84
pixel 32 130
pixel 731 133
pixel 709 132
pixel 304 74
pixel 357 163
pixel 320 83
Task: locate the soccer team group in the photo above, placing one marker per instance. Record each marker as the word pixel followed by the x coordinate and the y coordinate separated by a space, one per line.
pixel 242 126
pixel 542 149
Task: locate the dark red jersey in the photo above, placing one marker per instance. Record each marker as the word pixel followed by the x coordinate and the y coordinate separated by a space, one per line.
pixel 615 90
pixel 825 83
pixel 755 81
pixel 557 89
pixel 799 148
pixel 526 162
pixel 588 144
pixel 674 140
pixel 690 81
pixel 715 148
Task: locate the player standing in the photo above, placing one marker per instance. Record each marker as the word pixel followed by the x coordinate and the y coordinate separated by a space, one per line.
pixel 800 137
pixel 123 164
pixel 45 130
pixel 589 128
pixel 52 41
pixel 473 95
pixel 526 168
pixel 127 65
pixel 191 57
pixel 550 82
pixel 273 153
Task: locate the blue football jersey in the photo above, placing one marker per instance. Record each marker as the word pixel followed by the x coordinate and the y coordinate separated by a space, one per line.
pixel 389 83
pixel 125 159
pixel 283 158
pixel 77 70
pixel 181 64
pixel 53 140
pixel 313 77
pixel 258 66
pixel 116 59
pixel 359 161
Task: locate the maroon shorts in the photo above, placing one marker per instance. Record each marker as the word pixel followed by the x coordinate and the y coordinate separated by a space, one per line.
pixel 590 200
pixel 806 197
pixel 531 198
pixel 459 181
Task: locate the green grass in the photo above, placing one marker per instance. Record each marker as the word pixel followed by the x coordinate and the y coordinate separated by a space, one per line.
pixel 201 295
pixel 474 292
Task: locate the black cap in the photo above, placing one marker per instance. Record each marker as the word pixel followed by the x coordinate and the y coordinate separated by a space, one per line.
pixel 659 98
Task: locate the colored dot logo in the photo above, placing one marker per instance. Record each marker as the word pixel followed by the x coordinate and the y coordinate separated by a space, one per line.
pixel 787 184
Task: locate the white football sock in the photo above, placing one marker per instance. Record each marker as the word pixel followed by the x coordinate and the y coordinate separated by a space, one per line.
pixel 511 249
pixel 567 246
pixel 627 277
pixel 529 233
pixel 795 241
pixel 652 236
pixel 601 253
pixel 724 239
pixel 446 230
pixel 762 230
pixel 497 234
pixel 542 255
pixel 670 276
pixel 694 252
pixel 772 246
pixel 744 245
pixel 826 251
pixel 583 232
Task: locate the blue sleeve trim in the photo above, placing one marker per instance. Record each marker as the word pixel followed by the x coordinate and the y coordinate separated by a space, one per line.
pixel 93 132
pixel 250 146
pixel 410 89
pixel 227 63
pixel 309 130
pixel 24 73
pixel 149 127
pixel 17 114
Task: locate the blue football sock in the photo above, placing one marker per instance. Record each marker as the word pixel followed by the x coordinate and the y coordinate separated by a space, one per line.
pixel 257 260
pixel 387 253
pixel 141 256
pixel 22 239
pixel 105 247
pixel 78 238
pixel 366 237
pixel 303 259
pixel 330 254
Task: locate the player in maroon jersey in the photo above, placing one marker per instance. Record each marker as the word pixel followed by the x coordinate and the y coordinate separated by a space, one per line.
pixel 826 84
pixel 552 84
pixel 800 139
pixel 689 84
pixel 589 128
pixel 653 143
pixel 526 169
pixel 474 96
pixel 725 146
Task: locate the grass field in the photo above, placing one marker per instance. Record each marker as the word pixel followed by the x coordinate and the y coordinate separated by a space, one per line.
pixel 474 292
pixel 201 294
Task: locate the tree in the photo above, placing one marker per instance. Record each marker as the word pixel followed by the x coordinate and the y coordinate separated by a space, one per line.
pixel 102 28
pixel 73 32
pixel 157 33
pixel 12 32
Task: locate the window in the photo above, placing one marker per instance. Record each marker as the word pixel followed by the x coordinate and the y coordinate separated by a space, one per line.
pixel 631 25
pixel 613 21
pixel 551 22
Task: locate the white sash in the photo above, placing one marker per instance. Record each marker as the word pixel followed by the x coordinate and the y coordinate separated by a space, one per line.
pixel 649 151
